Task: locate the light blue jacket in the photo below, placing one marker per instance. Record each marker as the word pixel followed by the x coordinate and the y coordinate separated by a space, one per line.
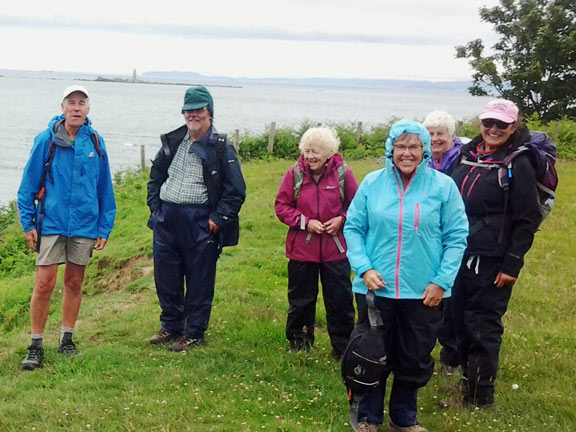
pixel 413 236
pixel 79 195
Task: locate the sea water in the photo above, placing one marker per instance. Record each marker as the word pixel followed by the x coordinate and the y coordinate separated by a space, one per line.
pixel 131 115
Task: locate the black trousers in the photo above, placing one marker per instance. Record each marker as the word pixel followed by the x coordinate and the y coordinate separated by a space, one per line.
pixel 447 334
pixel 410 331
pixel 479 307
pixel 338 301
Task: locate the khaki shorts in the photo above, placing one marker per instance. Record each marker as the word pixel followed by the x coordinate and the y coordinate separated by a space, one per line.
pixel 59 249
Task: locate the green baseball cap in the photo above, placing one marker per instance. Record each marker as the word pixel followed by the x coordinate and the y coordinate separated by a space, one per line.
pixel 196 98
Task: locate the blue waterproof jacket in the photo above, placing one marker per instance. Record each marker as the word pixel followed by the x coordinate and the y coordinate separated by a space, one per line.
pixel 79 194
pixel 412 236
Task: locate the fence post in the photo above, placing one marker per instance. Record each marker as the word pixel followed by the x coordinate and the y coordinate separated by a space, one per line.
pixel 358 133
pixel 236 141
pixel 271 137
pixel 142 158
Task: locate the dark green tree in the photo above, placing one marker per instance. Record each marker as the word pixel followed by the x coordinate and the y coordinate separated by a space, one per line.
pixel 534 62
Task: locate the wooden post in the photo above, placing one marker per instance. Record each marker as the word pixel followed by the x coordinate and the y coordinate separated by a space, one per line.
pixel 271 137
pixel 236 141
pixel 142 158
pixel 358 134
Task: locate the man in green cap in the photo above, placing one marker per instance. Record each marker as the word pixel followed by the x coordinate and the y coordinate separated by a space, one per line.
pixel 195 192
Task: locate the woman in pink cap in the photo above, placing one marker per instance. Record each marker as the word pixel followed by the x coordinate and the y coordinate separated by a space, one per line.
pixel 502 221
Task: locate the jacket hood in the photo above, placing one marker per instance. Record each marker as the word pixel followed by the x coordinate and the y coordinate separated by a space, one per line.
pixel 408 126
pixel 58 121
pixel 333 162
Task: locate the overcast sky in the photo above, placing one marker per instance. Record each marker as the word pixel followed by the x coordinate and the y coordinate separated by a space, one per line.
pixel 403 39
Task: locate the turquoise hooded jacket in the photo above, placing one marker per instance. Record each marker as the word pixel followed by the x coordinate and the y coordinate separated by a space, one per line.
pixel 413 236
pixel 79 194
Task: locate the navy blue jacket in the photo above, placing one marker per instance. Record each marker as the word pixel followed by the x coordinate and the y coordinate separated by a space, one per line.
pixel 224 181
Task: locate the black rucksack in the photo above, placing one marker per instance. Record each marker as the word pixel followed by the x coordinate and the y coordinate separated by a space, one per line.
pixel 542 153
pixel 364 361
pixel 364 366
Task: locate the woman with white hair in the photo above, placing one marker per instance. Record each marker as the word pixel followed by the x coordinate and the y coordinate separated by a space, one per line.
pixel 313 200
pixel 444 151
pixel 444 145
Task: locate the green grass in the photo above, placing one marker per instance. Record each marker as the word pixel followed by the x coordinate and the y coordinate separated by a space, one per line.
pixel 243 378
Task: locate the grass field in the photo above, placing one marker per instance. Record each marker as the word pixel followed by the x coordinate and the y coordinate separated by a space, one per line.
pixel 243 378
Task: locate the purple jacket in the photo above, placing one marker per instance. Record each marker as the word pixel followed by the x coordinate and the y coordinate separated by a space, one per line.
pixel 320 201
pixel 444 164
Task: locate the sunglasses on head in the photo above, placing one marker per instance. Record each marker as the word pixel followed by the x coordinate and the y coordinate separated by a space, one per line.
pixel 488 123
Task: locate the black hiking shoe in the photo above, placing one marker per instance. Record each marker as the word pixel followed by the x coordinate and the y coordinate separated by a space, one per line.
pixel 164 337
pixel 67 347
pixel 300 344
pixel 35 358
pixel 185 343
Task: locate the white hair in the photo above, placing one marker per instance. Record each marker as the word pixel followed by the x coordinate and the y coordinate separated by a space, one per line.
pixel 440 119
pixel 320 138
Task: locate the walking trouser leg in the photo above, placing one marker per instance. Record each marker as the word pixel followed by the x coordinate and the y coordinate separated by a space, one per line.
pixel 447 335
pixel 169 279
pixel 302 295
pixel 485 305
pixel 339 303
pixel 371 405
pixel 403 403
pixel 200 270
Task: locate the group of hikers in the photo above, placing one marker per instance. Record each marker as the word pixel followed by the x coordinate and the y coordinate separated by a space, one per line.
pixel 436 239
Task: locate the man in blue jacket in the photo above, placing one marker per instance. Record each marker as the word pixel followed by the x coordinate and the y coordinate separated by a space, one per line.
pixel 67 209
pixel 195 192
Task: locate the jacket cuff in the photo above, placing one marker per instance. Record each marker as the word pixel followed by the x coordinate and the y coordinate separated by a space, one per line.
pixel 511 265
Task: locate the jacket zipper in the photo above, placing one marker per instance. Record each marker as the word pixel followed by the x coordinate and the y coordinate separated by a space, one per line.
pixel 402 194
pixel 417 217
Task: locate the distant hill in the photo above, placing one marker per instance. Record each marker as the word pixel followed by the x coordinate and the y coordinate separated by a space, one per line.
pixel 333 82
pixel 192 78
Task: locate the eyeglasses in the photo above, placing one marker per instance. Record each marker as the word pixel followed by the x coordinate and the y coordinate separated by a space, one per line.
pixel 195 111
pixel 488 123
pixel 411 149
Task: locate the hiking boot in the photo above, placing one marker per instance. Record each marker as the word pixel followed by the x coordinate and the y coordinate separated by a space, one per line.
pixel 164 337
pixel 67 347
pixel 449 371
pixel 414 428
pixel 300 344
pixel 368 427
pixel 185 343
pixel 336 355
pixel 35 358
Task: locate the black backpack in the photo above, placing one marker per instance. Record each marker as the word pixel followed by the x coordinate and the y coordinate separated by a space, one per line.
pixel 542 153
pixel 364 363
pixel 364 366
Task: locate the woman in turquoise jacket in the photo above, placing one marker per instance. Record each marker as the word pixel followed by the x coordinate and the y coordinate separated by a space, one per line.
pixel 406 234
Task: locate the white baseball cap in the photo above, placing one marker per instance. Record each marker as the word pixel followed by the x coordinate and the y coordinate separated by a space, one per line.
pixel 75 88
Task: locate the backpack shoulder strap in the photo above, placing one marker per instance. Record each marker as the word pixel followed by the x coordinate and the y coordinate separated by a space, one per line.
pixel 342 182
pixel 47 172
pixel 220 141
pixel 96 142
pixel 298 179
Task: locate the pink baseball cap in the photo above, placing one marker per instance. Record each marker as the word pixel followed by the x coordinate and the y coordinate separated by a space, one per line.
pixel 500 109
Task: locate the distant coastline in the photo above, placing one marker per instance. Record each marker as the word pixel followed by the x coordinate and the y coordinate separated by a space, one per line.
pixel 140 81
pixel 193 78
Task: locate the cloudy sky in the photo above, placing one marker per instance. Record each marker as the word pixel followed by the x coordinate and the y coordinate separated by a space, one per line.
pixel 402 39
